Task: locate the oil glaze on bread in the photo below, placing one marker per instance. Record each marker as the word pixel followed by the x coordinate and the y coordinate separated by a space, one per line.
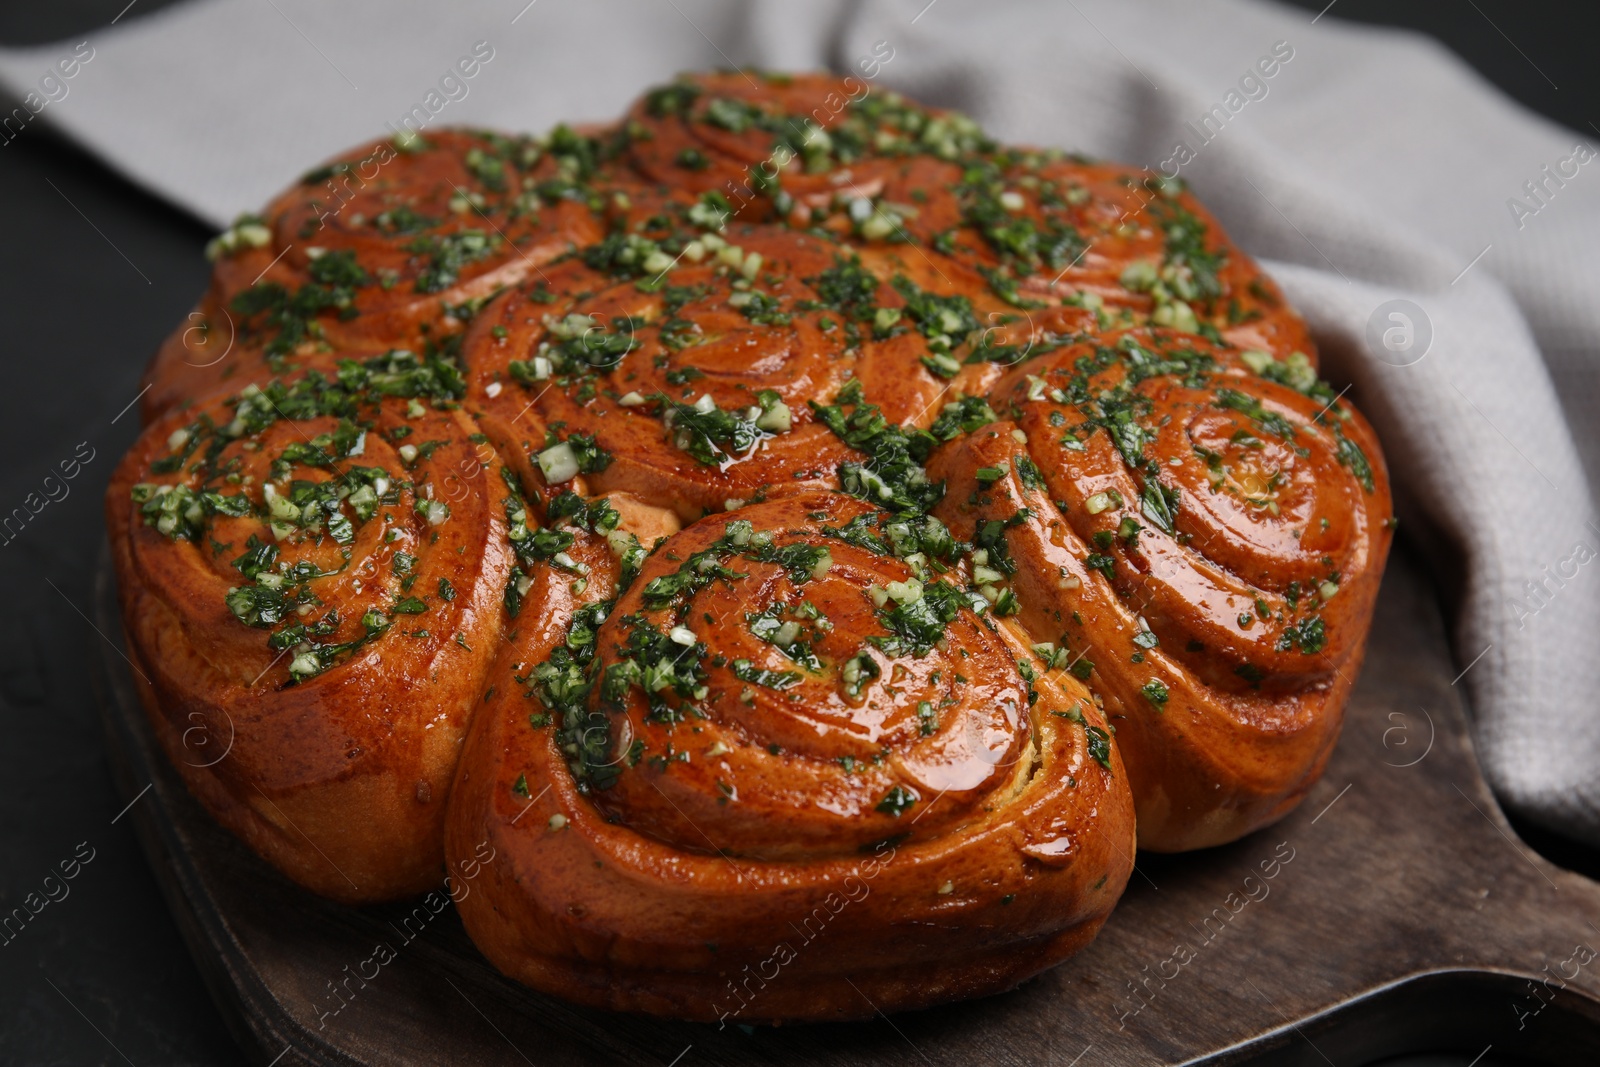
pixel 782 514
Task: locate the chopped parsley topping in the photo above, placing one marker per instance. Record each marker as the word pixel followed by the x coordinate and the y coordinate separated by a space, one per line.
pixel 1191 265
pixel 962 416
pixel 787 636
pixel 586 452
pixel 580 344
pixel 1099 745
pixel 745 671
pixel 1308 635
pixel 674 99
pixel 916 619
pixel 856 672
pixel 714 436
pixel 1269 421
pixel 1022 242
pixel 1106 565
pixel 898 800
pixel 563 683
pixel 893 476
pixel 1352 458
pixel 1159 504
pixel 268 307
pixel 848 288
pixel 448 254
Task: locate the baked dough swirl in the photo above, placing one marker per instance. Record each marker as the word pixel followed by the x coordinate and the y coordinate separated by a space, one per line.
pixel 391 245
pixel 1203 542
pixel 773 713
pixel 925 191
pixel 694 384
pixel 304 587
pixel 786 514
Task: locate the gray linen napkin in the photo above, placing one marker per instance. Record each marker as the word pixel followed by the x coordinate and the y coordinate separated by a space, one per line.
pixel 1438 237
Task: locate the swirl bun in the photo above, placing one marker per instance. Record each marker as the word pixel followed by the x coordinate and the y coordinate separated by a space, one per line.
pixel 1207 541
pixel 389 245
pixel 930 194
pixel 759 732
pixel 786 509
pixel 694 389
pixel 298 580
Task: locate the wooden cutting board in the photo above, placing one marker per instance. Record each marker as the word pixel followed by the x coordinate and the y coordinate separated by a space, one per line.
pixel 1395 911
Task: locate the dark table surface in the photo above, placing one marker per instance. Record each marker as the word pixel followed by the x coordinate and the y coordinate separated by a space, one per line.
pixel 93 273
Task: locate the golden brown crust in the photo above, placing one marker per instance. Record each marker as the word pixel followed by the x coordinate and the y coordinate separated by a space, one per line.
pixel 377 249
pixel 936 199
pixel 342 739
pixel 627 367
pixel 952 839
pixel 1207 543
pixel 572 570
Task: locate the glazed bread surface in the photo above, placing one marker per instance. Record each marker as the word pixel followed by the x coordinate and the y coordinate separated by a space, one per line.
pixel 782 516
